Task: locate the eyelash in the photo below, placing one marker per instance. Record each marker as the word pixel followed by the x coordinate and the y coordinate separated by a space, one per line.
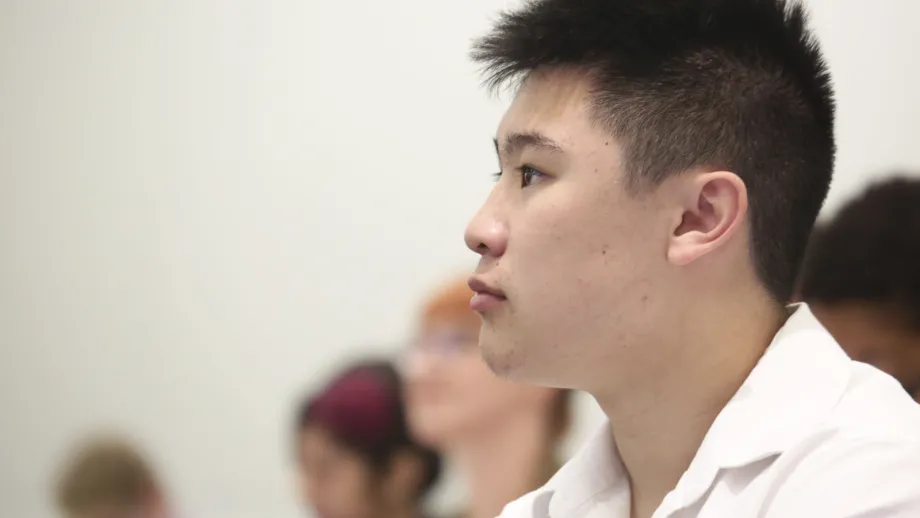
pixel 524 170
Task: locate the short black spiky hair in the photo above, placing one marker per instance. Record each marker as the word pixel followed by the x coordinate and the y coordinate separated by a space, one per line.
pixel 737 85
pixel 869 251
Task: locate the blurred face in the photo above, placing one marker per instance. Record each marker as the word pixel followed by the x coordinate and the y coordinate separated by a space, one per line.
pixel 877 336
pixel 452 397
pixel 567 254
pixel 336 482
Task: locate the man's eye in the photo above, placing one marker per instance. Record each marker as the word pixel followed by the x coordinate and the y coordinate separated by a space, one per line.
pixel 529 175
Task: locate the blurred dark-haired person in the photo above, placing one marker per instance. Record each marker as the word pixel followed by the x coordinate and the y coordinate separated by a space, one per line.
pixel 107 477
pixel 861 278
pixel 356 456
pixel 503 436
pixel 662 165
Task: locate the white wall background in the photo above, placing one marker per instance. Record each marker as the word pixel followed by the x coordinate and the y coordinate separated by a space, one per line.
pixel 204 206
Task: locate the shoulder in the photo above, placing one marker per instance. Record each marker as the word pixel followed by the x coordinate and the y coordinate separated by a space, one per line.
pixel 875 407
pixel 863 461
pixel 850 476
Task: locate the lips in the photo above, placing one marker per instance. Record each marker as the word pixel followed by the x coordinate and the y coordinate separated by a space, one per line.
pixel 486 297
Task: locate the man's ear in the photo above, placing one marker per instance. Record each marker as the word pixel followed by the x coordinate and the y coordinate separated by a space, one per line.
pixel 714 207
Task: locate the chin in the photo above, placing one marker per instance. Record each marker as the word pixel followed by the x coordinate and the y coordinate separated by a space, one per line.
pixel 535 364
pixel 505 362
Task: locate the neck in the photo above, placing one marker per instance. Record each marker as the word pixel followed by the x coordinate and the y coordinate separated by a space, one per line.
pixel 660 418
pixel 509 459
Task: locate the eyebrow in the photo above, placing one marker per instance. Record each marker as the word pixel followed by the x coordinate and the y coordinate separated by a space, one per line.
pixel 516 142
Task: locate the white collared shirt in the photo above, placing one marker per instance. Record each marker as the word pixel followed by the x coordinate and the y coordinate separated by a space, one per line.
pixel 810 434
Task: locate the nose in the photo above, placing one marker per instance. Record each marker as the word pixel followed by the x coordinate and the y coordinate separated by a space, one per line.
pixel 487 233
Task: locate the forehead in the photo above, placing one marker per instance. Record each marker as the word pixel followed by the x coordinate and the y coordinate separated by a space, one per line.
pixel 316 443
pixel 553 103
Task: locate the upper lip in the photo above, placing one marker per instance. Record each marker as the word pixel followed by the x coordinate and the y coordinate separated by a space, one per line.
pixel 479 286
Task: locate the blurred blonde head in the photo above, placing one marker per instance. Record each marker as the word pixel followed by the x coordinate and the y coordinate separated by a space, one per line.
pixel 453 397
pixel 106 477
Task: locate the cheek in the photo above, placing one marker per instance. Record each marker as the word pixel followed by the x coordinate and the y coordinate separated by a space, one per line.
pixel 579 230
pixel 580 251
pixel 465 393
pixel 423 417
pixel 862 342
pixel 486 398
pixel 903 359
pixel 336 485
pixel 583 267
pixel 858 342
pixel 350 494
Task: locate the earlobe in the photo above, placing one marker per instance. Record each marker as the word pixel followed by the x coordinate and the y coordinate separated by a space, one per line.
pixel 714 208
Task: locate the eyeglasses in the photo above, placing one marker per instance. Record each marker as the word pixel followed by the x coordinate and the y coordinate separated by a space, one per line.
pixel 441 345
pixel 447 342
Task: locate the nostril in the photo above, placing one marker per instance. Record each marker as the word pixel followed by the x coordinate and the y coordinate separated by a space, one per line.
pixel 482 248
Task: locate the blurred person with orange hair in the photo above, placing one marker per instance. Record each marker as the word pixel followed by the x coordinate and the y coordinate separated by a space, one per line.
pixel 108 478
pixel 356 456
pixel 502 435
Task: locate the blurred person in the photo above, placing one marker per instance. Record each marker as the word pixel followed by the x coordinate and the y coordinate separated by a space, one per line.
pixel 861 277
pixel 356 456
pixel 108 478
pixel 503 436
pixel 662 165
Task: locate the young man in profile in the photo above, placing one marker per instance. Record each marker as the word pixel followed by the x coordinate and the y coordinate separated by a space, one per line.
pixel 662 166
pixel 862 280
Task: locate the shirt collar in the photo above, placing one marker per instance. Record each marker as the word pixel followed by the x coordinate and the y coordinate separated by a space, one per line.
pixel 793 387
pixel 594 470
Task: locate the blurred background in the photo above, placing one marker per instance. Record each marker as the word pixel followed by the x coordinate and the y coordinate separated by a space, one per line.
pixel 206 207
